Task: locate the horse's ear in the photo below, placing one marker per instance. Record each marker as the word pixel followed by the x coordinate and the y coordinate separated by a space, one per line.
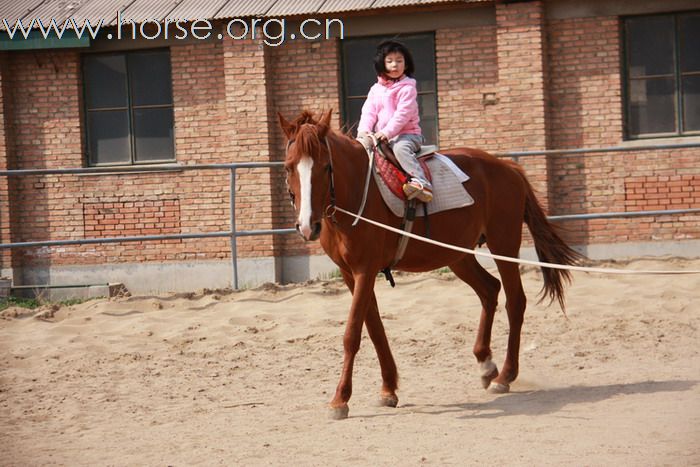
pixel 325 123
pixel 287 127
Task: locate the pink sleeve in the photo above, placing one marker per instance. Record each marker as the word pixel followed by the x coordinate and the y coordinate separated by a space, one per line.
pixel 406 109
pixel 369 113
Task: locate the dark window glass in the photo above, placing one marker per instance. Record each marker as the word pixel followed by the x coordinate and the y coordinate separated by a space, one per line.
pixel 652 106
pixel 359 76
pixel 353 111
pixel 652 46
pixel 358 59
pixel 153 131
pixel 144 70
pixel 691 103
pixel 109 136
pixel 129 107
pixel 662 70
pixel 690 43
pixel 427 104
pixel 106 86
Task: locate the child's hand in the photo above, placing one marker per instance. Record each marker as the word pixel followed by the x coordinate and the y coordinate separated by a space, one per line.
pixel 380 136
pixel 365 139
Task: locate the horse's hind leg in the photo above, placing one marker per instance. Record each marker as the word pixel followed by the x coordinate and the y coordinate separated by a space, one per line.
pixel 486 287
pixel 375 329
pixel 515 305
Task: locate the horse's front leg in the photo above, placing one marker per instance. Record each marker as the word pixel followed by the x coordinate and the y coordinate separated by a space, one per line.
pixel 363 291
pixel 375 329
pixel 390 376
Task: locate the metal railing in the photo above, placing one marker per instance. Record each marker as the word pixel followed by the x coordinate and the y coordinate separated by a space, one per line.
pixel 233 233
pixel 516 155
pixel 562 152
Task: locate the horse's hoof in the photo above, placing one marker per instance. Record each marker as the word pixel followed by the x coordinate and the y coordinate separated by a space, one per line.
pixel 489 372
pixel 498 388
pixel 486 379
pixel 388 400
pixel 339 413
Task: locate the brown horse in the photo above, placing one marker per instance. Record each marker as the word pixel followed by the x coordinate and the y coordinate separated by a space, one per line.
pixel 326 169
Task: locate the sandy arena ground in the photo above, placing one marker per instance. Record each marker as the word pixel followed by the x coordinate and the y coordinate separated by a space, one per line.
pixel 243 378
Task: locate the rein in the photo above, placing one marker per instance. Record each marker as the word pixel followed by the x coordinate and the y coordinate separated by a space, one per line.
pixel 365 191
pixel 331 207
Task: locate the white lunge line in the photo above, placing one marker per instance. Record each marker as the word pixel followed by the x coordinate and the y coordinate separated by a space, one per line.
pixel 515 260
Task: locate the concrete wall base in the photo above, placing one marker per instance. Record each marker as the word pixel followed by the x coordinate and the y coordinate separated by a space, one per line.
pixel 158 278
pixel 83 292
pixel 301 268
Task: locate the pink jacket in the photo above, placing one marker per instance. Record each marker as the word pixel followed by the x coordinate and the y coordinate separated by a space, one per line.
pixel 392 108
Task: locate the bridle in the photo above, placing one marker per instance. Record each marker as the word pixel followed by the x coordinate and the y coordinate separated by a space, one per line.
pixel 329 211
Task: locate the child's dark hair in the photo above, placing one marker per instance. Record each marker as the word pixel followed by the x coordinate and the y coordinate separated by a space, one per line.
pixel 387 47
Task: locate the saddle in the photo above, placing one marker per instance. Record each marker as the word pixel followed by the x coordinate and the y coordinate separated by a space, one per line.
pixel 390 178
pixel 448 180
pixel 391 172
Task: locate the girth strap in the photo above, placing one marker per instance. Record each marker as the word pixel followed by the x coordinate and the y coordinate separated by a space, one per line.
pixel 409 216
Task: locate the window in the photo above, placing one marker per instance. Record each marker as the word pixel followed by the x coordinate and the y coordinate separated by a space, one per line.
pixel 128 107
pixel 359 76
pixel 662 75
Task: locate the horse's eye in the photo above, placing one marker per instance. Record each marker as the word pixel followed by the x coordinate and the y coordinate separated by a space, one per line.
pixel 292 197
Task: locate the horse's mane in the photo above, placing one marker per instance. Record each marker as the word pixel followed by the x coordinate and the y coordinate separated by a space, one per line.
pixel 305 131
pixel 307 142
pixel 305 117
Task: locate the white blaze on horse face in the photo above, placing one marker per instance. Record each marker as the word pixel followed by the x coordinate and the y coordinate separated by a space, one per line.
pixel 304 168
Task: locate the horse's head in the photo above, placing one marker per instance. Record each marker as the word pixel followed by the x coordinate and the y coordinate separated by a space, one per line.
pixel 309 171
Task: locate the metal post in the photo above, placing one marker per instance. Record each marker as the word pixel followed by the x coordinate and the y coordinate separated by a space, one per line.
pixel 232 204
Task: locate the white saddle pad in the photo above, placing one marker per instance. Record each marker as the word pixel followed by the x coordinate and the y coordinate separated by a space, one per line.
pixel 448 191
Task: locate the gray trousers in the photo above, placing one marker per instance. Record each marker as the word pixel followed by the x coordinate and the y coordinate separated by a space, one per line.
pixel 405 148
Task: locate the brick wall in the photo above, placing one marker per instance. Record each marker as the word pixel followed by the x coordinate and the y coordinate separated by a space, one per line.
pixel 217 120
pixel 556 84
pixel 43 92
pixel 304 75
pixel 202 132
pixel 520 48
pixel 249 116
pixel 5 236
pixel 656 192
pixel 584 88
pixel 585 110
pixel 219 94
pixel 520 114
pixel 46 123
pixel 467 68
pixel 491 87
pixel 132 217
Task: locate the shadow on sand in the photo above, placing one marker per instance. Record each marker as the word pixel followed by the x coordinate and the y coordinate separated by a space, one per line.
pixel 548 401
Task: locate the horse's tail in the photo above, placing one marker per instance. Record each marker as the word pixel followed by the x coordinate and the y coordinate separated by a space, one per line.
pixel 550 248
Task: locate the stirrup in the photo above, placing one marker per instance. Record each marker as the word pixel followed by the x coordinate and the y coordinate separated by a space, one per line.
pixel 414 188
pixel 425 195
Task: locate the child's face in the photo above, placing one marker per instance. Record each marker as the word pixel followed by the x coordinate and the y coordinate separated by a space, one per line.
pixel 394 64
